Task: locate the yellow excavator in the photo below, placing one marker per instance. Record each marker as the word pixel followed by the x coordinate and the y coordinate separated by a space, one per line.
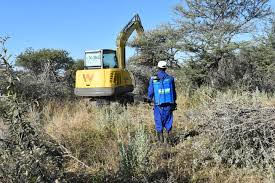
pixel 105 75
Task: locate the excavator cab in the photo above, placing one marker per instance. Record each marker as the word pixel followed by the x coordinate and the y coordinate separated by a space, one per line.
pixel 105 74
pixel 103 59
pixel 102 76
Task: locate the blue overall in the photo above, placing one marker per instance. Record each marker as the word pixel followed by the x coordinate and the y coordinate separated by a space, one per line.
pixel 163 113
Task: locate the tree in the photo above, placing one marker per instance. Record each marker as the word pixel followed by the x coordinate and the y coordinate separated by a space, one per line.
pixel 258 60
pixel 70 74
pixel 157 44
pixel 27 154
pixel 210 32
pixel 36 61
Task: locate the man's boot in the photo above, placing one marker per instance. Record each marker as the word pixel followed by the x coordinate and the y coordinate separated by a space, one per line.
pixel 169 138
pixel 160 137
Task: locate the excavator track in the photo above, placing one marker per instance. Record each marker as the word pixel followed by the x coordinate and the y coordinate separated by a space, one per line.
pixel 122 100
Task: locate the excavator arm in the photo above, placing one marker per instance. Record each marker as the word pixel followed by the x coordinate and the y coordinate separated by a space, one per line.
pixel 133 24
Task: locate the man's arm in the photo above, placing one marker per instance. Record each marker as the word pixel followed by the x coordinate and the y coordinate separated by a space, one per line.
pixel 150 90
pixel 174 90
pixel 174 106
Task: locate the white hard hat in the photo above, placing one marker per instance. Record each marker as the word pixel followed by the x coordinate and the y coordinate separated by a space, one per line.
pixel 162 64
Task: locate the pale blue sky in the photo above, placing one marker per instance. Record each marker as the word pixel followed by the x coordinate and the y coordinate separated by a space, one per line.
pixel 76 25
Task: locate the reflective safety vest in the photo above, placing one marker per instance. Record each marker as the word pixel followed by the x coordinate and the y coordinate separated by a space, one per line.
pixel 163 90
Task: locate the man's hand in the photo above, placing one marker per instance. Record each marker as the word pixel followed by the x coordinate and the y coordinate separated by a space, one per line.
pixel 147 100
pixel 174 107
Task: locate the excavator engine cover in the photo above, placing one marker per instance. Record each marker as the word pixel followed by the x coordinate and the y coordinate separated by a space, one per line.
pixel 103 82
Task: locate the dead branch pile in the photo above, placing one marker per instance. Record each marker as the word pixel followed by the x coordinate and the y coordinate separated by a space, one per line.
pixel 242 132
pixel 245 135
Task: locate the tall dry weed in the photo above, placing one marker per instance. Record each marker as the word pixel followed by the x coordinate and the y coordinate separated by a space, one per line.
pixel 120 141
pixel 93 134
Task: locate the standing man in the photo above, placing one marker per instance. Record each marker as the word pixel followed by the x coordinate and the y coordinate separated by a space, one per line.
pixel 162 91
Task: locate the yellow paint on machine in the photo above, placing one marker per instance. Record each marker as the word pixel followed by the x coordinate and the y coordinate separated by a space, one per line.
pixel 98 78
pixel 105 73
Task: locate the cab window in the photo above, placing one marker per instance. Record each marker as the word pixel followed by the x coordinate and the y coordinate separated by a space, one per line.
pixel 109 59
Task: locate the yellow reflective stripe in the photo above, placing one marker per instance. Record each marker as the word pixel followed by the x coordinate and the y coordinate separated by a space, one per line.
pixel 162 91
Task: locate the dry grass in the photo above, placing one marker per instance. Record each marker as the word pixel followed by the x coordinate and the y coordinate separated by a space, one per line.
pixel 96 137
pixel 80 129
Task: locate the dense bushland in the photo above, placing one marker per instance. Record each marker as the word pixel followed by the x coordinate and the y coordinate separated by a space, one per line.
pixel 216 137
pixel 222 44
pixel 224 125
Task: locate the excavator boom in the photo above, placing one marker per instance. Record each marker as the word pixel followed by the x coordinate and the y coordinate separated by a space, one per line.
pixel 133 24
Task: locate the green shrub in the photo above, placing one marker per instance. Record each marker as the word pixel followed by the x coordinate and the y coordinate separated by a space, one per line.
pixel 134 155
